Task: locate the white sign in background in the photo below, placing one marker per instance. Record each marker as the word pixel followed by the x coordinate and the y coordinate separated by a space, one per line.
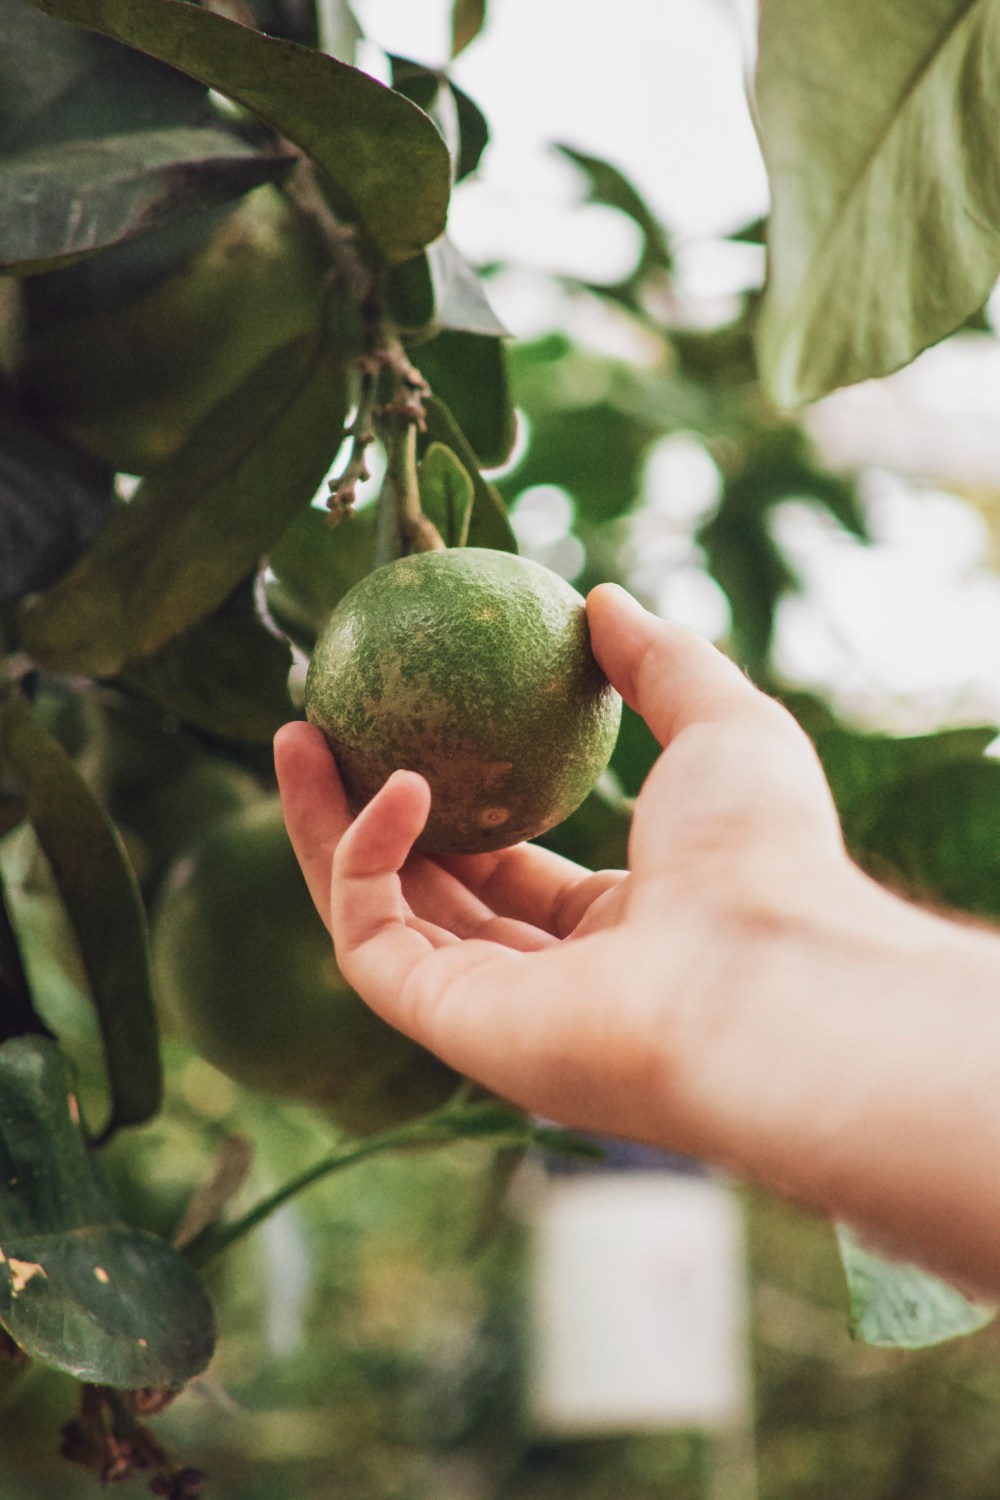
pixel 639 1304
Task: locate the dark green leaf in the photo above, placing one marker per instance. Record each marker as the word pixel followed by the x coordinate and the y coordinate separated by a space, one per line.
pixel 386 165
pixel 18 1015
pixel 89 86
pixel 80 1290
pixel 861 767
pixel 468 17
pixel 52 500
pixel 488 525
pixel 98 890
pixel 439 290
pixel 938 833
pixel 226 675
pixel 902 1307
pixel 313 566
pixel 473 133
pixel 594 451
pixel 199 525
pixel 635 752
pixel 469 374
pixel 878 125
pixel 58 203
pixel 446 493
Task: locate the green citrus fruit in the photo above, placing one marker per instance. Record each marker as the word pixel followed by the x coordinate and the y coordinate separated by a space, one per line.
pixel 130 383
pixel 244 967
pixel 474 668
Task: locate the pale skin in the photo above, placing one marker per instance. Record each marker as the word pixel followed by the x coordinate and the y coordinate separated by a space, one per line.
pixel 742 993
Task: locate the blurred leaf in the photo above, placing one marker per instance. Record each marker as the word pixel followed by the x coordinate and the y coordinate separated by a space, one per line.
pixel 468 17
pixel 488 524
pixel 52 500
pixel 878 126
pixel 609 186
pixel 98 890
pixel 902 1307
pixel 386 165
pixel 313 565
pixel 339 31
pixel 595 451
pixel 89 86
pixel 777 464
pixel 198 526
pixel 469 374
pixel 79 1290
pixel 227 674
pixel 861 767
pixel 446 493
pixel 473 134
pixel 62 202
pixel 938 832
pixel 635 752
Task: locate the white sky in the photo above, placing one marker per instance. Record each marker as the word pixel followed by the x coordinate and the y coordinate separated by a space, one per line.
pixel 906 633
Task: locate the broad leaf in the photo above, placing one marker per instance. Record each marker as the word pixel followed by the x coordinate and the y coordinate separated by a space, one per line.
pixel 313 566
pixel 468 17
pixel 862 767
pixel 900 1306
pixel 52 500
pixel 440 290
pixel 88 87
pixel 468 372
pixel 98 890
pixel 227 674
pixel 446 493
pixel 878 124
pixel 80 1290
pixel 386 165
pixel 198 526
pixel 938 833
pixel 488 525
pixel 58 203
pixel 609 186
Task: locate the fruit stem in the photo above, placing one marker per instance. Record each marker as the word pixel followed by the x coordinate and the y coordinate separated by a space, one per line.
pixel 493 1124
pixel 412 531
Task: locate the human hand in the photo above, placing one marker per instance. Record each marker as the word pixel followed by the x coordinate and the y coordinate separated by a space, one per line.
pixel 583 997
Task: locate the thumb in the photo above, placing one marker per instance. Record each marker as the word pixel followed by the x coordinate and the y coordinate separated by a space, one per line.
pixel 668 674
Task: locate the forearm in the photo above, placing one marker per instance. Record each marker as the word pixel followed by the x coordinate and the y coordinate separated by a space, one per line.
pixel 859 1073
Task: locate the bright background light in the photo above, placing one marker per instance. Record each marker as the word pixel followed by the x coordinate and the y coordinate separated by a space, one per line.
pixel 903 634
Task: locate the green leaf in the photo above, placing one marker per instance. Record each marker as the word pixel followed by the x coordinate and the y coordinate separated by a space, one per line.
pixel 469 374
pixel 878 125
pixel 609 186
pixel 861 767
pixel 52 500
pixel 468 17
pixel 79 1290
pixel 58 203
pixel 89 86
pixel 313 566
pixel 440 290
pixel 937 833
pixel 488 525
pixel 386 165
pixel 900 1306
pixel 98 890
pixel 446 493
pixel 227 674
pixel 198 526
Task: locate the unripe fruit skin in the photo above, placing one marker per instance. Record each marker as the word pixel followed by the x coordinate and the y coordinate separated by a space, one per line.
pixel 474 668
pixel 245 969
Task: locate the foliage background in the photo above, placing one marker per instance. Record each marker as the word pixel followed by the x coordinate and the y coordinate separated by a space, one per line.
pixel 372 1337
